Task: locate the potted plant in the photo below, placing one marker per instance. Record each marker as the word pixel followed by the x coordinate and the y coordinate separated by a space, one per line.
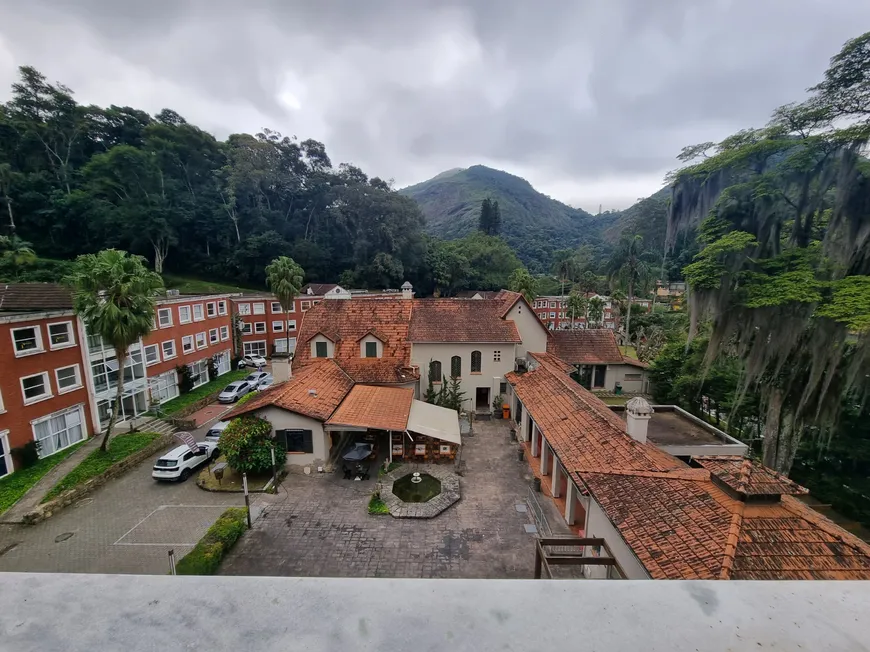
pixel 496 406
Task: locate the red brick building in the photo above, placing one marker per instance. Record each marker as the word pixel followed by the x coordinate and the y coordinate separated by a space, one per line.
pixel 554 313
pixel 43 389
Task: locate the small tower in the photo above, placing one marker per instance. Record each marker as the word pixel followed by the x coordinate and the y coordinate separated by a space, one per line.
pixel 407 290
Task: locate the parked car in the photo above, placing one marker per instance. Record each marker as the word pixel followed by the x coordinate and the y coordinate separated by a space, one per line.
pixel 180 462
pixel 259 378
pixel 234 391
pixel 266 382
pixel 256 361
pixel 214 433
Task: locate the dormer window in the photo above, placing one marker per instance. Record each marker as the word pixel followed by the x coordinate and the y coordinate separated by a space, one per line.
pixel 371 350
pixel 320 350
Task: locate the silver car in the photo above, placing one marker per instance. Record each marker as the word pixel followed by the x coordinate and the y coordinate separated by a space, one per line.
pixel 259 379
pixel 234 391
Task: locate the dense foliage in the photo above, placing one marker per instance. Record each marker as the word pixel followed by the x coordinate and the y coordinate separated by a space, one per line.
pixel 247 444
pixel 206 556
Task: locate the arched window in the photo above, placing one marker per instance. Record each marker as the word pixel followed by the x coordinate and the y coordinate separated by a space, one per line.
pixel 435 371
pixel 455 366
pixel 475 362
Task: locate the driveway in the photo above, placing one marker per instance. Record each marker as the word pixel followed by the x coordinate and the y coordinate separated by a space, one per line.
pixel 127 526
pixel 322 527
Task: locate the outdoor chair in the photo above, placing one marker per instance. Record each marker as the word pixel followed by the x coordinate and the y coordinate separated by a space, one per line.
pixel 348 474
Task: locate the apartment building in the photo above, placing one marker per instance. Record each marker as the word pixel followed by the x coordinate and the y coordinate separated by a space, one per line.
pixel 264 327
pixel 43 389
pixel 554 313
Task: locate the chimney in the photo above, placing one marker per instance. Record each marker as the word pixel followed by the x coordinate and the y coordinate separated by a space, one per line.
pixel 638 412
pixel 407 290
pixel 281 367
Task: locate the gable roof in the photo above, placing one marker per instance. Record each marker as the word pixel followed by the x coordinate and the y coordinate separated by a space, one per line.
pixel 585 346
pixel 372 406
pixel 317 289
pixel 749 478
pixel 460 320
pixel 346 321
pixel 315 391
pixel 25 297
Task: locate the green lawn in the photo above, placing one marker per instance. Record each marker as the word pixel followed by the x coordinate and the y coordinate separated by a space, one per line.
pixel 94 464
pixel 629 352
pixel 198 286
pixel 181 402
pixel 14 486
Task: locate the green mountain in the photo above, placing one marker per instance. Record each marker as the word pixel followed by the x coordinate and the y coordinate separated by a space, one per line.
pixel 532 223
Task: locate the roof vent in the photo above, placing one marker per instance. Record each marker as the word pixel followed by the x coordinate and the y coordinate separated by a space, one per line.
pixel 638 412
pixel 312 392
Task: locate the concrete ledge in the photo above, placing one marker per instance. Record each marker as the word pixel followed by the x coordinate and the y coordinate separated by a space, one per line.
pixel 52 507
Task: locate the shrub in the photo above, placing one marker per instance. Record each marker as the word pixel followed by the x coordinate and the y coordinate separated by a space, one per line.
pixel 185 379
pixel 377 506
pixel 26 456
pixel 247 444
pixel 206 556
pixel 247 397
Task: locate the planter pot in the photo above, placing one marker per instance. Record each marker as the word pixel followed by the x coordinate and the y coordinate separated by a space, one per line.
pixel 536 483
pixel 520 453
pixel 513 435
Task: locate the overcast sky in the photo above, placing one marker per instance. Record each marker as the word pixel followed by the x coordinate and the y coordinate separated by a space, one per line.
pixel 588 100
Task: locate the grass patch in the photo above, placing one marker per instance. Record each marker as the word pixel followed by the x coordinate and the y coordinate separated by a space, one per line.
pixel 185 400
pixel 121 447
pixel 205 558
pixel 198 286
pixel 628 352
pixel 15 485
pixel 232 481
pixel 392 467
pixel 377 506
pixel 615 400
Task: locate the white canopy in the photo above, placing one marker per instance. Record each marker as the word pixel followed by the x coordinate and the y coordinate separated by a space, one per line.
pixel 434 421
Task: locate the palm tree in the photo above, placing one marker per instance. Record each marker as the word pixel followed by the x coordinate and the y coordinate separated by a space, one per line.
pixel 596 310
pixel 631 265
pixel 521 281
pixel 577 304
pixel 16 251
pixel 115 294
pixel 284 276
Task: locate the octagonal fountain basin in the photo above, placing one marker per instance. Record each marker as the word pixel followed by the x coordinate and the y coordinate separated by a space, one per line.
pixel 419 491
pixel 422 491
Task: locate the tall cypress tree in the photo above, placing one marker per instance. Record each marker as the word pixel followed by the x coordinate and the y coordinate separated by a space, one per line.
pixel 495 223
pixel 484 222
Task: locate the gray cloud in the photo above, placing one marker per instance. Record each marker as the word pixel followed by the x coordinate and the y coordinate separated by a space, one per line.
pixel 589 100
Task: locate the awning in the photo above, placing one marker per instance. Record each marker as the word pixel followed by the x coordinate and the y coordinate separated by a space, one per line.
pixel 434 421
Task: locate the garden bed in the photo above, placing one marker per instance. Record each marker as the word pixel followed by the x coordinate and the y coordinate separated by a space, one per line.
pixel 232 481
pixel 190 402
pixel 15 485
pixel 205 558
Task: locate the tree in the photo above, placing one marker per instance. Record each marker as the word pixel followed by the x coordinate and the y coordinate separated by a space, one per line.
pixel 596 311
pixel 16 252
pixel 577 305
pixel 284 277
pixel 495 225
pixel 454 396
pixel 115 295
pixel 484 221
pixel 521 281
pixel 631 265
pixel 248 444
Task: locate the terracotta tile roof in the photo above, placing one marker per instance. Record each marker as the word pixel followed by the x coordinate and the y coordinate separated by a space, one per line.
pixel 330 384
pixel 460 320
pixel 593 346
pixel 25 297
pixel 749 478
pixel 346 321
pixel 506 299
pixel 377 407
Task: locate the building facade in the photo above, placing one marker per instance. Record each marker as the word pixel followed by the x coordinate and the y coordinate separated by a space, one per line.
pixel 554 313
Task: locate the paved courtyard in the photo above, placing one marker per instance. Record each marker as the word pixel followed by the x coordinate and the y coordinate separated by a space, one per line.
pixel 322 527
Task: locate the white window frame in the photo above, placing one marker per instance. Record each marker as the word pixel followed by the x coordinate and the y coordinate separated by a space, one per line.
pixel 168 356
pixel 47 418
pixel 247 328
pixel 160 313
pixel 552 315
pixel 225 333
pixel 259 327
pixel 292 307
pixel 46 385
pixel 247 348
pixel 259 308
pixel 69 331
pixel 200 311
pixel 155 347
pixel 244 309
pixel 210 309
pixel 38 339
pixel 187 344
pixel 2 406
pixel 201 341
pixel 304 305
pixel 78 376
pixel 213 336
pixel 278 310
pixel 278 326
pixel 182 311
pixel 7 457
pixel 222 307
pixel 289 322
pixel 552 304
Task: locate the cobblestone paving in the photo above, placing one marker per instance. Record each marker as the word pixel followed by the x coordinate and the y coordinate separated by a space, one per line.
pixel 322 528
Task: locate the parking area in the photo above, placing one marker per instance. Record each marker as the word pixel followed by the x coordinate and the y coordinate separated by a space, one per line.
pixel 320 526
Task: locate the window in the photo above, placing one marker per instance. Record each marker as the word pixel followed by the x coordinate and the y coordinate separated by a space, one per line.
pixel 320 349
pixel 35 388
pixel 600 373
pixel 247 328
pixel 314 303
pixel 244 308
pixel 435 371
pixel 213 337
pixel 254 348
pixel 291 325
pixel 633 377
pixel 68 378
pixel 455 367
pixel 259 308
pixel 225 333
pixel 304 305
pixel 475 362
pixel 27 340
pixel 164 317
pixel 200 340
pixel 187 344
pixel 276 307
pixel 152 354
pixel 184 314
pixel 163 387
pixel 552 304
pixel 496 356
pixel 197 312
pixel 58 431
pixel 278 326
pixel 292 307
pixel 168 349
pixel 371 349
pixel 552 315
pixel 222 307
pixel 260 327
pixel 199 372
pixel 296 441
pixel 502 388
pixel 2 408
pixel 291 343
pixel 60 335
pixel 210 309
pixel 6 466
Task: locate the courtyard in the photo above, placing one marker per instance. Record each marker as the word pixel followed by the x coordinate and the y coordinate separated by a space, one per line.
pixel 320 526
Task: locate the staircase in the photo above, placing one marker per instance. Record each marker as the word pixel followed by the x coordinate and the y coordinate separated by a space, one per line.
pixel 159 426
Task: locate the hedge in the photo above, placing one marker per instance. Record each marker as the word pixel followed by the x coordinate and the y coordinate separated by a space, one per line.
pixel 206 556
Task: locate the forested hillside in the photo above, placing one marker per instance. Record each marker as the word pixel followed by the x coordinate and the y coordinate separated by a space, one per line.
pixel 532 223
